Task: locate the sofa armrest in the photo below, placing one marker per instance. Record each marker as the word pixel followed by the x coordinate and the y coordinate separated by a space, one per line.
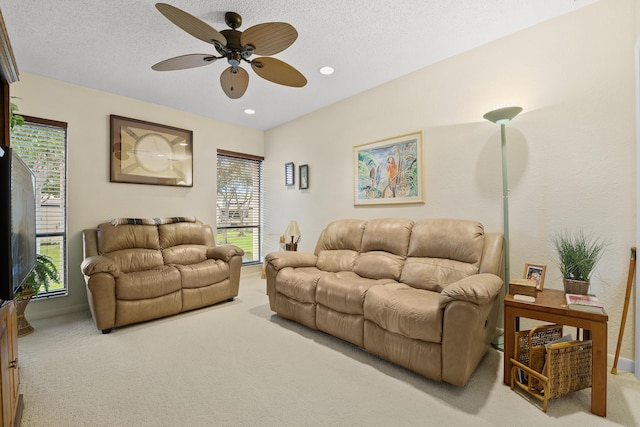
pixel 478 289
pixel 224 252
pixel 99 264
pixel 280 260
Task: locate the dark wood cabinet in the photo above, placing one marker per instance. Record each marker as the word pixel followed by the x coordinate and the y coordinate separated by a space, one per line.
pixel 9 370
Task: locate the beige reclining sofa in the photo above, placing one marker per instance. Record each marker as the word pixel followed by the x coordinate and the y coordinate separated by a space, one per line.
pixel 141 269
pixel 421 294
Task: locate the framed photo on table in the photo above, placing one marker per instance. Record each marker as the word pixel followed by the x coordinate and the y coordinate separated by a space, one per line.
pixel 535 272
pixel 149 153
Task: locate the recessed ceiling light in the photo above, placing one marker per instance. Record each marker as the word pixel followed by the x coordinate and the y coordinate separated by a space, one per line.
pixel 249 111
pixel 326 70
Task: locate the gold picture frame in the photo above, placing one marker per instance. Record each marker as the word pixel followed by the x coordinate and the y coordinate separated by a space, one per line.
pixel 535 272
pixel 389 171
pixel 150 153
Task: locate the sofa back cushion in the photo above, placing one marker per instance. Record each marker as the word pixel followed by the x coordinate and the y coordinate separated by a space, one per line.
pixel 131 247
pixel 339 244
pixel 388 235
pixel 442 251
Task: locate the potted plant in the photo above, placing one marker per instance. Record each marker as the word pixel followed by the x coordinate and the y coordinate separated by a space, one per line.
pixel 578 255
pixel 44 273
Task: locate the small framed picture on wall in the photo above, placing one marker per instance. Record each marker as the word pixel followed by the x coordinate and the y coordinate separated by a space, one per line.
pixel 289 174
pixel 304 177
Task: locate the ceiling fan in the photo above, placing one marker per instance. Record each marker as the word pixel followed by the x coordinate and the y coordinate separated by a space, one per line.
pixel 236 46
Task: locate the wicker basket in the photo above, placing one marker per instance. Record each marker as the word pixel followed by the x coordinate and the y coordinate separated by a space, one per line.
pixel 550 373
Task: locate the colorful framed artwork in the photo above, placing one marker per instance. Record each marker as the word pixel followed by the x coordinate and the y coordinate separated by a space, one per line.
pixel 289 174
pixel 150 153
pixel 389 171
pixel 535 272
pixel 304 177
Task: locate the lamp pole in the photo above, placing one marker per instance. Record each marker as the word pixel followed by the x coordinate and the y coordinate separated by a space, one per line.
pixel 502 116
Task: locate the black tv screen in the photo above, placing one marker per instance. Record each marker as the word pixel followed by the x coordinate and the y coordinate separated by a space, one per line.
pixel 17 223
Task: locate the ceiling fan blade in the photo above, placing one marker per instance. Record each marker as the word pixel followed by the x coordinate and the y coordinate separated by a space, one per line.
pixel 277 71
pixel 269 38
pixel 191 24
pixel 234 84
pixel 183 62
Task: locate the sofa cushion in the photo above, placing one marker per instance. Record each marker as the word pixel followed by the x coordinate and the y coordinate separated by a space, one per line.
pixel 404 310
pixel 378 265
pixel 387 235
pixel 336 260
pixel 454 239
pixel 148 284
pixel 341 234
pixel 435 274
pixel 344 292
pixel 299 284
pixel 185 254
pixel 132 260
pixel 114 238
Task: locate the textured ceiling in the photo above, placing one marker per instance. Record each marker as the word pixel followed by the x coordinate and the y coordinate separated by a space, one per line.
pixel 110 45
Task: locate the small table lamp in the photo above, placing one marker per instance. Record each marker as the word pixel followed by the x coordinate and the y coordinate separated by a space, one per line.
pixel 293 231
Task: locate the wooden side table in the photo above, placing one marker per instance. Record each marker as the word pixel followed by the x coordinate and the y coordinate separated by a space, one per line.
pixel 550 306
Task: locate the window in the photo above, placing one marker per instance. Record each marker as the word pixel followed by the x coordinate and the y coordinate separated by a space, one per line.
pixel 239 203
pixel 42 145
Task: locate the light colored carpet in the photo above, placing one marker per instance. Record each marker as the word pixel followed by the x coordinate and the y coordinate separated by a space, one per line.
pixel 237 364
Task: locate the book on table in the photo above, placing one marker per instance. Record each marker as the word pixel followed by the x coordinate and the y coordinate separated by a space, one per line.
pixel 589 303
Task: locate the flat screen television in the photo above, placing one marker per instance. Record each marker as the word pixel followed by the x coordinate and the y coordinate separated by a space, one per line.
pixel 17 223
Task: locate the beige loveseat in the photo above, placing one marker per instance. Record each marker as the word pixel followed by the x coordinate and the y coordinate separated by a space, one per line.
pixel 421 294
pixel 138 272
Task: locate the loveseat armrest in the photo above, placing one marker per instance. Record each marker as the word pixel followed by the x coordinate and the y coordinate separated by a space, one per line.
pixel 478 289
pixel 99 264
pixel 224 252
pixel 280 260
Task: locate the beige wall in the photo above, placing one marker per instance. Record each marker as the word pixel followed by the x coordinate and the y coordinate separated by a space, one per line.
pixel 91 198
pixel 571 153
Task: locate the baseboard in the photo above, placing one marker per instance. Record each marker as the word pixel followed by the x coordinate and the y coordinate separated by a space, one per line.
pixel 627 365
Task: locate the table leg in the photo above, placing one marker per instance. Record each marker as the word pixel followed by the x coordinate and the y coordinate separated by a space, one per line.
pixel 599 369
pixel 509 337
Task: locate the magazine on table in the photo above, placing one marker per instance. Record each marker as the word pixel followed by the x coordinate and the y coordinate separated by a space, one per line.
pixel 588 303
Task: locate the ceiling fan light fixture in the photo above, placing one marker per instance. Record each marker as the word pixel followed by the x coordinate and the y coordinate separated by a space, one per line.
pixel 326 70
pixel 250 111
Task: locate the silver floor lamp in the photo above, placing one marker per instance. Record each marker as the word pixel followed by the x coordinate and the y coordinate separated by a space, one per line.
pixel 502 116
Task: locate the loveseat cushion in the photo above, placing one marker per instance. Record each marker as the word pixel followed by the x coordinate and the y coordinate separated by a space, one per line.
pixel 185 254
pixel 132 260
pixel 345 291
pixel 113 238
pixel 204 273
pixel 404 310
pixel 148 284
pixel 184 233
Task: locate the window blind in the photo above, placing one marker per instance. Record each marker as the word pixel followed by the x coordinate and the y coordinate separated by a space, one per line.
pixel 41 144
pixel 239 202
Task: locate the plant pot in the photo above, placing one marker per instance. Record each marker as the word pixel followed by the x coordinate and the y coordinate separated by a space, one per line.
pixel 24 328
pixel 579 287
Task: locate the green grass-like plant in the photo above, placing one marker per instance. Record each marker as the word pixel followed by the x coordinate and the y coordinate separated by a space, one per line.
pixel 578 254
